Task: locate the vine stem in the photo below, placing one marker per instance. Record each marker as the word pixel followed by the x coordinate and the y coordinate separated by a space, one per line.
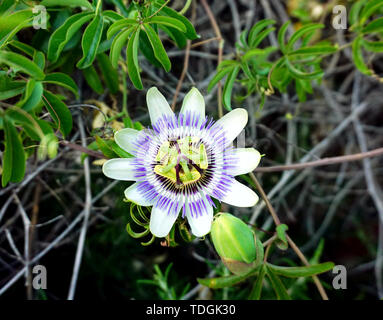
pixel 323 162
pixel 292 244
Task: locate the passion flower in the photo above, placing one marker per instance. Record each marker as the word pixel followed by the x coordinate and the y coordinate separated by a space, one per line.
pixel 183 162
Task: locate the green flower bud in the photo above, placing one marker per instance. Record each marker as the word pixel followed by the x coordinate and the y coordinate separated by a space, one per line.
pixel 235 242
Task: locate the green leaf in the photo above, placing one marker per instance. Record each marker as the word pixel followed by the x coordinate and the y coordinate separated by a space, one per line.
pixel 20 63
pixel 374 26
pixel 67 3
pixel 373 46
pixel 59 112
pixel 314 50
pixel 190 31
pixel 119 25
pixel 158 48
pixel 132 60
pixel 281 36
pixel 62 80
pixel 228 87
pixel 117 44
pixel 9 89
pixel 13 23
pixel 64 33
pixel 13 156
pixel 256 52
pixel 112 15
pixel 223 282
pixel 39 59
pixel 277 285
pixel 105 148
pixel 369 9
pixel 90 42
pixel 34 99
pixel 357 56
pixel 92 78
pixel 23 47
pixel 119 151
pixel 281 236
pixel 168 21
pixel 29 124
pixel 254 31
pixel 256 291
pixel 355 10
pixel 306 271
pixel 218 76
pixel 109 73
pixel 301 32
pixel 303 75
pixel 262 36
pixel 177 36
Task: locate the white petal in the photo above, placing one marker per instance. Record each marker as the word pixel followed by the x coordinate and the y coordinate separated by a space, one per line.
pixel 194 102
pixel 161 221
pixel 240 196
pixel 201 225
pixel 246 160
pixel 125 139
pixel 233 123
pixel 133 195
pixel 119 169
pixel 157 105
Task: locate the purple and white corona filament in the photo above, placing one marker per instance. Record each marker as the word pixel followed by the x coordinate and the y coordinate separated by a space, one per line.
pixel 183 162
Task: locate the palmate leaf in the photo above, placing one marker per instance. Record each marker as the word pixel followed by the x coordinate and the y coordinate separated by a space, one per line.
pixel 14 155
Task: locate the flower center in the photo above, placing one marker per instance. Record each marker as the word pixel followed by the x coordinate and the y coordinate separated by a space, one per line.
pixel 182 161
